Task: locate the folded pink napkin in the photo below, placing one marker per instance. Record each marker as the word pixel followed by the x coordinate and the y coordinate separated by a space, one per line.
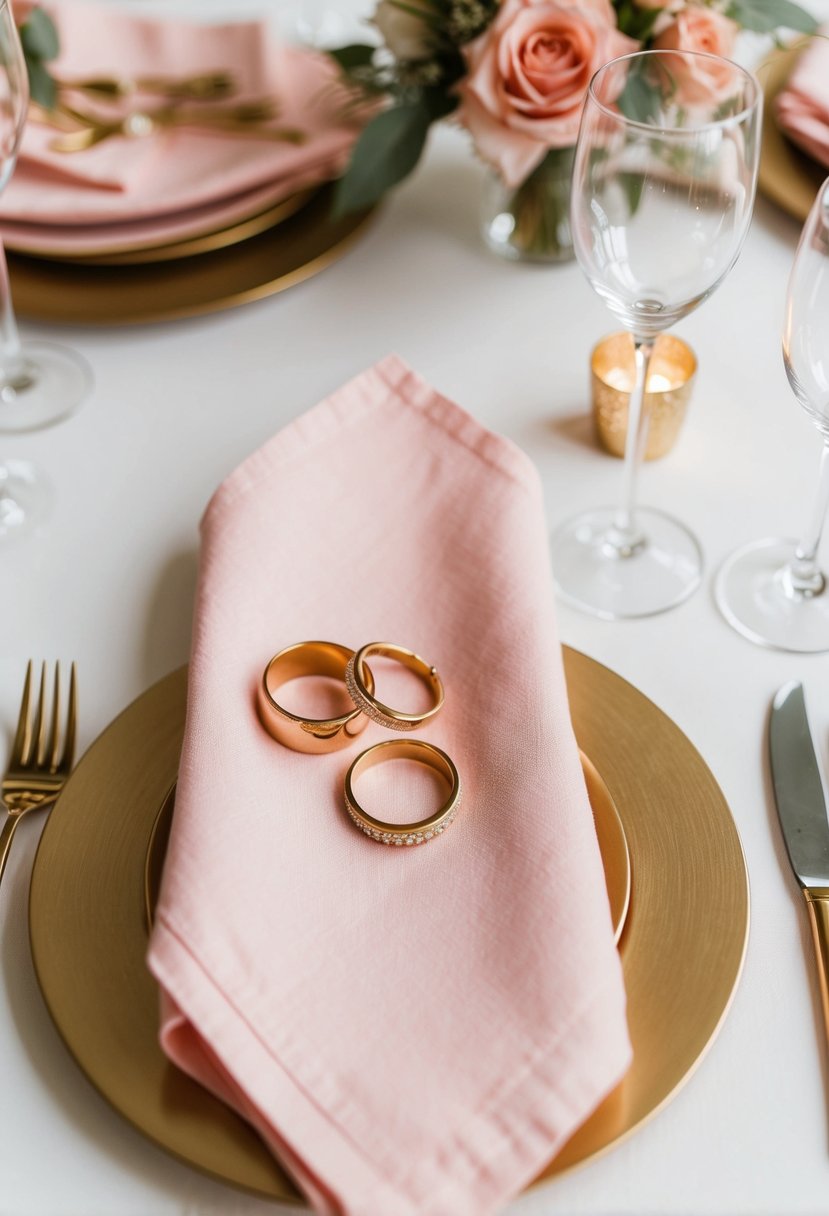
pixel 81 240
pixel 802 106
pixel 168 171
pixel 412 1030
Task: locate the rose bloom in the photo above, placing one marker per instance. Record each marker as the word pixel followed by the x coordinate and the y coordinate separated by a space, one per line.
pixel 21 10
pixel 528 76
pixel 405 33
pixel 700 29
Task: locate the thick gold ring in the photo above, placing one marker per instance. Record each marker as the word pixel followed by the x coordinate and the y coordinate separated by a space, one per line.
pixel 362 695
pixel 401 834
pixel 308 734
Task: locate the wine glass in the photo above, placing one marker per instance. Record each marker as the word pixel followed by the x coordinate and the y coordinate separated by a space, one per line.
pixel 40 382
pixel 663 190
pixel 772 591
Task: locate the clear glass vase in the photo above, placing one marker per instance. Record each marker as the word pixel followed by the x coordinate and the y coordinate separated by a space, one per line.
pixel 531 222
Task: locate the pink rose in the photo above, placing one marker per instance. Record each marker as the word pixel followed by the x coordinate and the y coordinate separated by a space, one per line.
pixel 21 10
pixel 528 76
pixel 701 29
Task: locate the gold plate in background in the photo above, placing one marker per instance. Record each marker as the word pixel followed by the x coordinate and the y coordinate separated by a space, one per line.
pixel 609 832
pixel 682 947
pixel 788 176
pixel 123 295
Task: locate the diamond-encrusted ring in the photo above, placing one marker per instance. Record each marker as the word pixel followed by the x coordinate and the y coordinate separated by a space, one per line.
pixel 404 834
pixel 308 734
pixel 357 683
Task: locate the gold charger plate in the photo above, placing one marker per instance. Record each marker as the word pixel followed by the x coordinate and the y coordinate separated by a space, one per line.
pixel 682 947
pixel 787 176
pixel 259 266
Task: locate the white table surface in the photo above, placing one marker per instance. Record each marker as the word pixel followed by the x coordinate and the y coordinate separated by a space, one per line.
pixel 110 582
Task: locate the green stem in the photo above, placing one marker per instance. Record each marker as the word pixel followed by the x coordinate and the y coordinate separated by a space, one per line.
pixel 541 207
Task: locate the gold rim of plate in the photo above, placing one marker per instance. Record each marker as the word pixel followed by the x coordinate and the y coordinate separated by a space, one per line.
pixel 682 946
pixel 259 266
pixel 788 177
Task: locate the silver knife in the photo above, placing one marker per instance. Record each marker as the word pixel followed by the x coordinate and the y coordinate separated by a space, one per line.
pixel 801 807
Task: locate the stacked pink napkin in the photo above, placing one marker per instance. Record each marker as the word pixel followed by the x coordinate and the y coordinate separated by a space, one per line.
pixel 125 179
pixel 410 1030
pixel 802 107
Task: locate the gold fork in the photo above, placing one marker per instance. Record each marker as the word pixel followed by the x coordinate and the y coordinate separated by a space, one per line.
pixel 38 765
pixel 206 86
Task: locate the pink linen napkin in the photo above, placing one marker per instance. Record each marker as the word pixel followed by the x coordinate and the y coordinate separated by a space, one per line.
pixel 802 106
pixel 126 179
pixel 418 1030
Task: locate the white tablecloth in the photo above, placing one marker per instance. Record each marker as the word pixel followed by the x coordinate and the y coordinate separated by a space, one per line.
pixel 110 583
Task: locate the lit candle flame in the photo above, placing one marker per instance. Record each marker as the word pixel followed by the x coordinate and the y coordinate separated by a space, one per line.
pixel 620 379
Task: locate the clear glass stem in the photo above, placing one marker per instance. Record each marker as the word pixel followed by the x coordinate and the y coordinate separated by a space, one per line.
pixel 802 576
pixel 624 538
pixel 13 373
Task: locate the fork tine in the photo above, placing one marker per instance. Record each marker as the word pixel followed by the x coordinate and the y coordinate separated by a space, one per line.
pixel 71 724
pixel 23 735
pixel 39 727
pixel 51 756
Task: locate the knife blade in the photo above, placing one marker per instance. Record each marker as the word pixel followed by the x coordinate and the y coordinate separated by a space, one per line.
pixel 801 809
pixel 798 789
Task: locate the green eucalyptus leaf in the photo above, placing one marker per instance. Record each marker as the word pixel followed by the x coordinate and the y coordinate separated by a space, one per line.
pixel 42 88
pixel 357 55
pixel 386 152
pixel 764 16
pixel 39 36
pixel 636 22
pixel 633 185
pixel 639 101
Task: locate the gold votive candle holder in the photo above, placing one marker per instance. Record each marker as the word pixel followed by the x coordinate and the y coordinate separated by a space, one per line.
pixel 668 390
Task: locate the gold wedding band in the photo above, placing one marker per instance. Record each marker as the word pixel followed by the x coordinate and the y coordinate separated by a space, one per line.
pixel 402 834
pixel 308 734
pixel 357 683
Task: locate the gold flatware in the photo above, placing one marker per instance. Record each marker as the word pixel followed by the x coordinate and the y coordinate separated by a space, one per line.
pixel 39 763
pixel 245 118
pixel 801 809
pixel 45 117
pixel 207 86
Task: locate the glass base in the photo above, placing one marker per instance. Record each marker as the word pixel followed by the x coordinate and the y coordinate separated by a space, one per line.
pixel 531 222
pixel 752 593
pixel 654 576
pixel 49 383
pixel 25 499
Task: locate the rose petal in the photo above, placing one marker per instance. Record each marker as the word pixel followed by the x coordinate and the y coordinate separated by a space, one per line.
pixel 514 158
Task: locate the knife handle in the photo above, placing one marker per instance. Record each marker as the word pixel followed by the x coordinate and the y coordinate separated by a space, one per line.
pixel 818 905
